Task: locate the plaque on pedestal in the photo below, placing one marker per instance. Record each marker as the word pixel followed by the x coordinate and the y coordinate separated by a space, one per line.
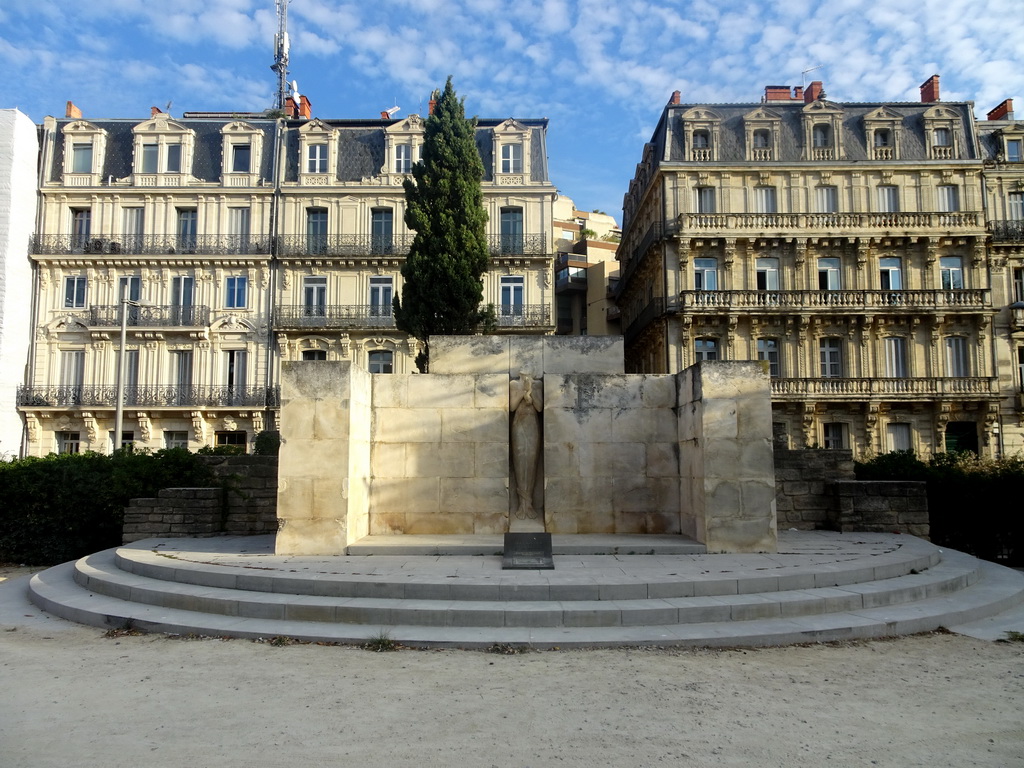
pixel 527 551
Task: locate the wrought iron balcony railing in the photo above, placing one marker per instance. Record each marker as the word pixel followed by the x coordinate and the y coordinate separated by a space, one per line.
pixel 523 315
pixel 151 244
pixel 835 301
pixel 841 387
pixel 344 245
pixel 109 316
pixel 517 245
pixel 1007 231
pixel 335 316
pixel 149 397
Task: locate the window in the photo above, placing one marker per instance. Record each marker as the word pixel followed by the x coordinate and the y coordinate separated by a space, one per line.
pixel 765 200
pixel 942 137
pixel 705 199
pixel 314 354
pixel 235 361
pixel 314 294
pixel 381 361
pixel 81 158
pixel 68 442
pixel 834 436
pixel 74 292
pixel 72 374
pixel 176 439
pixel 948 198
pixel 182 366
pixel 132 230
pixel 131 376
pixel 705 274
pixel 127 440
pixel 899 437
pixel 1013 150
pixel 511 230
pixel 183 290
pixel 382 225
pixel 241 158
pixel 888 198
pixel 890 273
pixel 762 139
pixel 512 296
pixel 1015 206
pixel 957 364
pixel 826 199
pixel 381 295
pixel 81 226
pixel 895 357
pixel 1018 283
pixel 172 158
pixel 767 274
pixel 316 158
pixel 403 158
pixel 821 136
pixel 1020 367
pixel 883 137
pixel 831 354
pixel 701 140
pixel 952 273
pixel 149 158
pixel 234 292
pixel 706 349
pixel 511 158
pixel 768 350
pixel 238 229
pixel 187 228
pixel 316 230
pixel 130 287
pixel 236 439
pixel 829 274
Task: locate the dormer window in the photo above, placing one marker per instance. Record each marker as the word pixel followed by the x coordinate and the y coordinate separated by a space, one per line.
pixel 81 157
pixel 942 137
pixel 822 136
pixel 241 151
pixel 511 158
pixel 1014 149
pixel 318 152
pixel 701 140
pixel 162 147
pixel 761 128
pixel 84 147
pixel 882 129
pixel 149 157
pixel 403 158
pixel 404 145
pixel 241 158
pixel 822 131
pixel 883 138
pixel 943 130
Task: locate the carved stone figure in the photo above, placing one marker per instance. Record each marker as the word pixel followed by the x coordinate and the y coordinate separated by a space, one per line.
pixel 526 402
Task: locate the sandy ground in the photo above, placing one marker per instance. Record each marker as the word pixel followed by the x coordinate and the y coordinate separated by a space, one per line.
pixel 74 697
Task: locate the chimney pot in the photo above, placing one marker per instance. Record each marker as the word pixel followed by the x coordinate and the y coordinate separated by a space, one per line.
pixel 70 110
pixel 430 107
pixel 813 92
pixel 930 89
pixel 675 97
pixel 1002 112
pixel 305 107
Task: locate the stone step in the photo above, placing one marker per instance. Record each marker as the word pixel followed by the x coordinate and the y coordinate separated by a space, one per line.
pixel 493 544
pixel 997 589
pixel 100 573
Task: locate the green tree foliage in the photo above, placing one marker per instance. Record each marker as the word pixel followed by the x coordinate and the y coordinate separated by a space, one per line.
pixel 442 274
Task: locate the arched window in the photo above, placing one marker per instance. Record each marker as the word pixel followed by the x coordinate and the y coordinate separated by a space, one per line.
pixel 701 139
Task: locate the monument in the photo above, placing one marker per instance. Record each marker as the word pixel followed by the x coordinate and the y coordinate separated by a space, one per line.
pixel 525 434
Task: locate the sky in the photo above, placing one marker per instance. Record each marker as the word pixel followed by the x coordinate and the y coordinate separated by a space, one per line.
pixel 600 70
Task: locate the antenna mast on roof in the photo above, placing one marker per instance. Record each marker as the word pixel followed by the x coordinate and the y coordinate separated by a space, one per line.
pixel 280 65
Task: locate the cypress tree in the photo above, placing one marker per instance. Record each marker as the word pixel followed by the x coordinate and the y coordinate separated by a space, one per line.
pixel 444 205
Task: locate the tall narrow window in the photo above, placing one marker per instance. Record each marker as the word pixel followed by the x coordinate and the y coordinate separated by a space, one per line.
pixel 957 364
pixel 235 292
pixel 895 357
pixel 948 198
pixel 1018 283
pixel 183 290
pixel 899 437
pixel 705 274
pixel 705 349
pixel 952 272
pixel 238 229
pixel 765 200
pixel 829 274
pixel 762 139
pixel 705 199
pixel 314 294
pixel 1020 368
pixel 131 239
pixel 74 292
pixel 81 158
pixel 827 199
pixel 81 227
pixel 511 158
pixel 701 140
pixel 131 376
pixel 942 137
pixel 381 361
pixel 182 361
pixel 888 198
pixel 768 351
pixel 173 158
pixel 381 296
pixel 1015 206
pixel 883 137
pixel 316 158
pixel 511 230
pixel 187 229
pixel 403 158
pixel 767 274
pixel 890 273
pixel 512 296
pixel 1013 150
pixel 830 352
pixel 382 227
pixel 316 230
pixel 241 158
pixel 149 158
pixel 235 374
pixel 821 136
pixel 130 287
pixel 176 439
pixel 72 375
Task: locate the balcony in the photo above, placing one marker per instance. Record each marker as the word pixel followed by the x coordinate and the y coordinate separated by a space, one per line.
pixel 148 397
pixel 974 387
pixel 150 245
pixel 109 316
pixel 523 315
pixel 830 302
pixel 827 224
pixel 571 273
pixel 1007 231
pixel 517 245
pixel 325 316
pixel 344 245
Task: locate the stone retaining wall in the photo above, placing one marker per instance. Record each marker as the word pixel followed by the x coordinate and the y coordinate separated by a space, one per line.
pixel 878 506
pixel 803 499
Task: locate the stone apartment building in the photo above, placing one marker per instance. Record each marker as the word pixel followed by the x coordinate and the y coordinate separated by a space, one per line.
pixel 242 241
pixel 868 253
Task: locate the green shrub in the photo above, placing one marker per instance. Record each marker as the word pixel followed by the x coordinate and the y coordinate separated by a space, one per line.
pixel 267 443
pixel 62 507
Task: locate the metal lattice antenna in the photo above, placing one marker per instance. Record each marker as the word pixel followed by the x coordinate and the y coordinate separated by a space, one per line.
pixel 280 65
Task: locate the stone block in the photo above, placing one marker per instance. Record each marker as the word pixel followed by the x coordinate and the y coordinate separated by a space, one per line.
pixel 438 525
pixel 474 425
pixel 643 425
pixel 447 460
pixel 391 391
pixel 491 459
pixel 310 536
pixel 469 354
pixel 406 494
pixel 612 460
pixel 561 459
pixel 474 495
pixel 388 459
pixel 576 425
pixel 387 523
pixel 491 391
pixel 658 391
pixel 592 354
pixel 662 460
pixel 434 391
pixel 526 353
pixel 718 419
pixel 412 425
pixel 640 494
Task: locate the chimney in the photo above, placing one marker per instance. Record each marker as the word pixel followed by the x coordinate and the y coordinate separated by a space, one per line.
pixel 813 92
pixel 305 107
pixel 430 107
pixel 930 89
pixel 1003 112
pixel 70 110
pixel 291 110
pixel 798 93
pixel 675 97
pixel 776 93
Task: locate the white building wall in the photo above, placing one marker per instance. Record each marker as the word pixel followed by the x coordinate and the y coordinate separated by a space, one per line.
pixel 19 151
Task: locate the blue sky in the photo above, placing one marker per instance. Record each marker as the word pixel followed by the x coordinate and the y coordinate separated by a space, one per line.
pixel 600 70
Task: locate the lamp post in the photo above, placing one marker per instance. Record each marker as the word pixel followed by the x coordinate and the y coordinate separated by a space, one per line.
pixel 119 409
